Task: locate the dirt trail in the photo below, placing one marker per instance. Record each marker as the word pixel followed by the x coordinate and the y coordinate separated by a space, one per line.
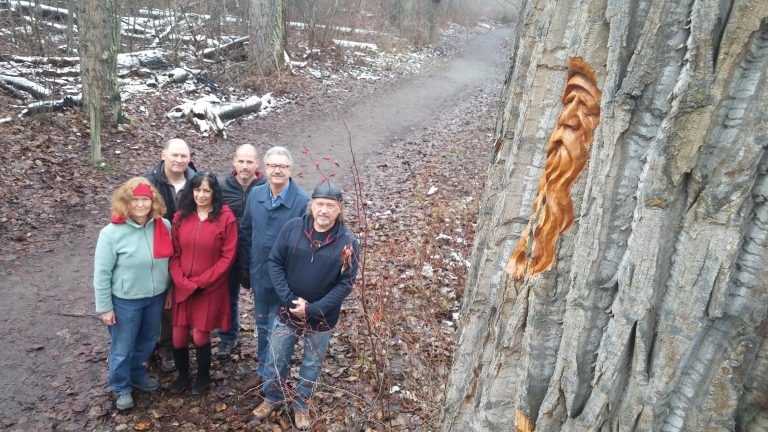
pixel 54 348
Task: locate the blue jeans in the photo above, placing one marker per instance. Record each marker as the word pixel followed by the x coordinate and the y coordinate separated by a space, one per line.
pixel 234 296
pixel 265 307
pixel 134 335
pixel 284 339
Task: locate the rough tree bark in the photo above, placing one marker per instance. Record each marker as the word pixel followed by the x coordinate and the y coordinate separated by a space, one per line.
pixel 653 317
pixel 268 35
pixel 99 44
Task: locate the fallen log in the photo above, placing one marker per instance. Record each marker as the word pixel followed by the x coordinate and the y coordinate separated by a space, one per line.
pixel 209 114
pixel 57 105
pixel 150 59
pixel 11 91
pixel 35 90
pixel 32 7
pixel 202 113
pixel 53 61
pixel 251 105
pixel 211 53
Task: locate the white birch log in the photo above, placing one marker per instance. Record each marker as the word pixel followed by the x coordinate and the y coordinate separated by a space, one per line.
pixel 35 90
pixel 209 114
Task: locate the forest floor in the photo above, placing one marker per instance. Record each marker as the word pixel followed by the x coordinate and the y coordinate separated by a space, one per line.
pixel 422 144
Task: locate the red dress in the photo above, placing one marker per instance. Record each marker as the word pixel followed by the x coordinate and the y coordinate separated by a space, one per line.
pixel 203 253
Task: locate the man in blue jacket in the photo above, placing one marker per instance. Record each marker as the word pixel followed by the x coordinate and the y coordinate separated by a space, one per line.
pixel 313 265
pixel 267 209
pixel 235 188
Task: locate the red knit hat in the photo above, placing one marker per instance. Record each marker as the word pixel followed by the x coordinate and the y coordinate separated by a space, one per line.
pixel 143 189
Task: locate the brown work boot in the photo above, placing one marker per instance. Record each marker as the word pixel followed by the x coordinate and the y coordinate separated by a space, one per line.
pixel 301 419
pixel 264 410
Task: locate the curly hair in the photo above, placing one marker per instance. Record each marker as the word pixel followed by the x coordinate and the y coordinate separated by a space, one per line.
pixel 187 204
pixel 121 199
pixel 567 155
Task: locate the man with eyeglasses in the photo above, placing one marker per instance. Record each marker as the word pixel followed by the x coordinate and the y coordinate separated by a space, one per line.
pixel 313 265
pixel 169 177
pixel 268 208
pixel 235 188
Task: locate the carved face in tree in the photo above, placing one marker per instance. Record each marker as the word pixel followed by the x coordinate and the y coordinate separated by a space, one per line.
pixel 567 155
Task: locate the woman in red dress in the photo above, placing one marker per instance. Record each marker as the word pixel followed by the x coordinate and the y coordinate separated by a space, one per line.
pixel 204 244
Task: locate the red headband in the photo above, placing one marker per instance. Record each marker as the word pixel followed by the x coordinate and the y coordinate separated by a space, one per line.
pixel 142 189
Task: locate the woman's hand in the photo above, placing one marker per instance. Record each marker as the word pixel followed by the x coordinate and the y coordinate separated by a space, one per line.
pixel 168 299
pixel 108 317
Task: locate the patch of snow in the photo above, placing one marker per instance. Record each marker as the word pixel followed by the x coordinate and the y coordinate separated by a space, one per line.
pixel 427 270
pixel 353 44
pixel 367 76
pixel 431 190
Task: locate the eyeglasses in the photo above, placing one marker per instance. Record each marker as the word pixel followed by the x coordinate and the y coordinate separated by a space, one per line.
pixel 211 176
pixel 276 166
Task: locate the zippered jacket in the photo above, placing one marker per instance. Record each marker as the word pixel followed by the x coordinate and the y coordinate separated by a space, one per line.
pixel 160 182
pixel 259 227
pixel 234 195
pixel 322 275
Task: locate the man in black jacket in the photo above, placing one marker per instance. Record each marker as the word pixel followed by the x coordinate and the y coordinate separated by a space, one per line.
pixel 235 188
pixel 169 177
pixel 313 265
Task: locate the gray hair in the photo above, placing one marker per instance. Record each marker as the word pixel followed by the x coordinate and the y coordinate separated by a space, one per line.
pixel 340 218
pixel 278 151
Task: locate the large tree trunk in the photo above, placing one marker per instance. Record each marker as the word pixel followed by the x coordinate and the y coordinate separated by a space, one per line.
pixel 653 317
pixel 99 45
pixel 268 35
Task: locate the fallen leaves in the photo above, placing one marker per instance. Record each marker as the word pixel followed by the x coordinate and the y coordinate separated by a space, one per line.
pixel 142 426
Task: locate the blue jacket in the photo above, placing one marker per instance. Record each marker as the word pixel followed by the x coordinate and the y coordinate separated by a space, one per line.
pixel 323 277
pixel 258 230
pixel 123 264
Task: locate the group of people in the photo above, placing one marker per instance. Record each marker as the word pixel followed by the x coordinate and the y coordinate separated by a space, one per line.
pixel 179 246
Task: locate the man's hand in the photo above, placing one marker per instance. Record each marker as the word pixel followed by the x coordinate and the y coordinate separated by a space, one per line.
pixel 301 308
pixel 168 299
pixel 245 277
pixel 108 317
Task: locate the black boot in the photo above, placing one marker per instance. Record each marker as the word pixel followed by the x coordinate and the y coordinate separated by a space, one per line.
pixel 203 369
pixel 181 358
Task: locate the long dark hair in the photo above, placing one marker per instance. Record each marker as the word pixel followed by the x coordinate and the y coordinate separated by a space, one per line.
pixel 187 203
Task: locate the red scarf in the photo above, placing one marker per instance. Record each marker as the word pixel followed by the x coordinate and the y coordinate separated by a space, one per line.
pixel 163 248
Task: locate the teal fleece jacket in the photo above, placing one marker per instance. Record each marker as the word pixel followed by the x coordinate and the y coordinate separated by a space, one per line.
pixel 123 264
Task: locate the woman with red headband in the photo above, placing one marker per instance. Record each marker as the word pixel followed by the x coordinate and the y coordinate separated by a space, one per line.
pixel 204 245
pixel 130 280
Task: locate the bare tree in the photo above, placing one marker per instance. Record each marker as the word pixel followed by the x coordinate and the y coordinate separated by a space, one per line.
pixel 99 45
pixel 268 36
pixel 653 316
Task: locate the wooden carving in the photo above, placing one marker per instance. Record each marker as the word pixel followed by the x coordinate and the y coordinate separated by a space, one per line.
pixel 567 154
pixel 523 423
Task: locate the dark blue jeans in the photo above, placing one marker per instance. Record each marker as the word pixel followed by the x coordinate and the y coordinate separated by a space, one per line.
pixel 265 308
pixel 134 335
pixel 234 297
pixel 283 340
